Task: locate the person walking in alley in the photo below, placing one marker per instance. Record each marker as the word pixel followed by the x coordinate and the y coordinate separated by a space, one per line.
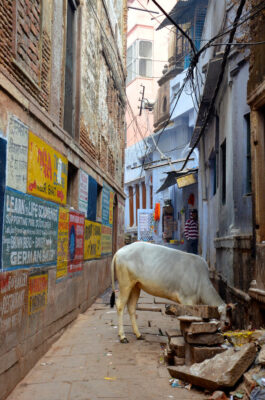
pixel 191 232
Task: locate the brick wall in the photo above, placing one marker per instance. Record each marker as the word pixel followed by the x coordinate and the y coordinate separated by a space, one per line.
pixel 29 61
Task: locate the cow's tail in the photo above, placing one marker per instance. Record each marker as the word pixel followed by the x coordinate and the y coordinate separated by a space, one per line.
pixel 112 298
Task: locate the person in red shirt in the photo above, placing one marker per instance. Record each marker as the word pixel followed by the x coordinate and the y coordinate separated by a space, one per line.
pixel 191 232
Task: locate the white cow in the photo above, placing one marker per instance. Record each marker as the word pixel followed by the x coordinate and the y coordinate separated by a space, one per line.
pixel 163 272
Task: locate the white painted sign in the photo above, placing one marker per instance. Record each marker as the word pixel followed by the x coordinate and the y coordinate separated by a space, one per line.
pixel 17 155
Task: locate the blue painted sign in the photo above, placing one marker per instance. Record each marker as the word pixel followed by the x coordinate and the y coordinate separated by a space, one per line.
pixel 29 231
pixel 2 188
pixel 92 199
pixel 107 205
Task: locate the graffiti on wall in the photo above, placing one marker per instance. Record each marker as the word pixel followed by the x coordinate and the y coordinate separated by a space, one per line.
pixel 17 155
pixel 47 171
pixel 13 294
pixel 92 246
pixel 62 244
pixel 29 231
pixel 76 242
pixel 37 293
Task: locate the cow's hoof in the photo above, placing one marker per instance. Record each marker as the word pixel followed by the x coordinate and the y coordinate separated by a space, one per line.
pixel 124 340
pixel 141 337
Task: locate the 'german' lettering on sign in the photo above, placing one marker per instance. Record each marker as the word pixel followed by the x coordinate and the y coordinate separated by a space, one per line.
pixel 29 231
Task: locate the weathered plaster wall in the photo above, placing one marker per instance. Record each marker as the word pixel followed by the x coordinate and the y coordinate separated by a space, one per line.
pixel 38 299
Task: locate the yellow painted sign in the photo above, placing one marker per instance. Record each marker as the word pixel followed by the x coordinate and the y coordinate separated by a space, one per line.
pixel 111 200
pixel 106 239
pixel 92 247
pixel 186 180
pixel 62 244
pixel 47 171
pixel 38 289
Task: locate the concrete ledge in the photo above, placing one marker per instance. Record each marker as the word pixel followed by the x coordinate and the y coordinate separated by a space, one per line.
pixel 234 242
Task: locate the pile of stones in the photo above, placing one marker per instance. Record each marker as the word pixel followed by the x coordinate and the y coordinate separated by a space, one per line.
pixel 199 337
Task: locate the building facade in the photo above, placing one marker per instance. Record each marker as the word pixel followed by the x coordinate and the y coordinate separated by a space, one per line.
pixel 225 185
pixel 256 101
pixel 62 137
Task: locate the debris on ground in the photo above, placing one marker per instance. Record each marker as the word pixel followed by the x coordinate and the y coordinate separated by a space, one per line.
pixel 193 354
pixel 218 395
pixel 257 394
pixel 222 371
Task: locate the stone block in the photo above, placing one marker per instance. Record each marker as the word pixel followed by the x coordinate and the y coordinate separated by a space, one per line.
pixel 201 327
pixel 173 333
pixel 205 339
pixel 179 361
pixel 249 381
pixel 199 354
pixel 203 311
pixel 261 356
pixel 177 344
pixel 221 371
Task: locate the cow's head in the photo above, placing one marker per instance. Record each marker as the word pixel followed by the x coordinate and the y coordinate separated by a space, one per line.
pixel 225 311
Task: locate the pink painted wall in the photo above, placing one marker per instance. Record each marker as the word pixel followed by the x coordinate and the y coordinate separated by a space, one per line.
pixel 142 26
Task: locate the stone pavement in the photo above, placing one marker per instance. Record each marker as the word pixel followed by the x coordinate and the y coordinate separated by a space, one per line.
pixel 88 362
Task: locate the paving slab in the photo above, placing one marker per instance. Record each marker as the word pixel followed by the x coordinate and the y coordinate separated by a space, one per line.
pixel 88 362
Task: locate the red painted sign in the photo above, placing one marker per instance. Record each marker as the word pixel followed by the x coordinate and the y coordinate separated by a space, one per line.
pixel 76 242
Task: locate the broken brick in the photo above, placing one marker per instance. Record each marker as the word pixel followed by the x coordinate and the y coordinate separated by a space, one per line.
pixel 177 344
pixel 202 327
pixel 203 311
pixel 199 354
pixel 218 395
pixel 179 361
pixel 206 339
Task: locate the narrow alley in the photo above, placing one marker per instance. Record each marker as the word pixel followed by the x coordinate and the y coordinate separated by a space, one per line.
pixel 88 362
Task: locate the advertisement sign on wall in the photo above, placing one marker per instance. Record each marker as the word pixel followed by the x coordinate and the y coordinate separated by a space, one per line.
pixel 29 231
pixel 120 225
pixel 17 156
pixel 106 240
pixel 13 295
pixel 37 295
pixel 107 205
pixel 92 247
pixel 62 245
pixel 83 192
pixel 76 242
pixel 2 189
pixel 47 171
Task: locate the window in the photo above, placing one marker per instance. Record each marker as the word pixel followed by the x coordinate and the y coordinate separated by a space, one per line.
pixel 70 57
pixel 99 202
pixel 217 130
pixel 164 107
pixel 72 185
pixel 223 170
pixel 143 195
pixel 213 174
pixel 131 205
pixel 248 154
pixel 139 59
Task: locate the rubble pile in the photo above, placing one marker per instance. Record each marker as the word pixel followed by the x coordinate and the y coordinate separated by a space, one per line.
pixel 199 337
pixel 200 354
